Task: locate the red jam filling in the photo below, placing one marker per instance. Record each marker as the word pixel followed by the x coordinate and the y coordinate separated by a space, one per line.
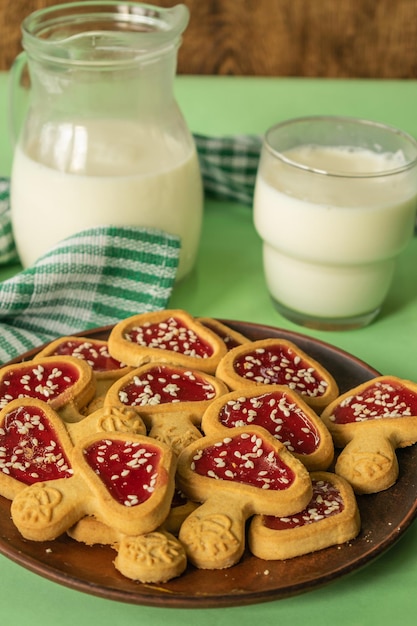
pixel 280 365
pixel 171 334
pixel 29 448
pixel 164 384
pixel 382 399
pixel 129 470
pixel 279 414
pixel 95 354
pixel 40 380
pixel 326 501
pixel 246 459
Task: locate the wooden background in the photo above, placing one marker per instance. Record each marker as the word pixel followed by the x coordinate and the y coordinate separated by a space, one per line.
pixel 322 38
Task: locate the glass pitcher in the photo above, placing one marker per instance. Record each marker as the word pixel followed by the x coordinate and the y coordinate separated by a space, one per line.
pixel 103 140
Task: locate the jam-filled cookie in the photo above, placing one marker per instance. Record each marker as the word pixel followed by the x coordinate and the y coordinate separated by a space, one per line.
pixel 65 382
pixel 124 480
pixel 95 352
pixel 150 558
pixel 283 413
pixel 330 518
pixel 369 422
pixel 232 338
pixel 34 446
pixel 235 476
pixel 170 399
pixel 154 557
pixel 278 362
pixel 168 336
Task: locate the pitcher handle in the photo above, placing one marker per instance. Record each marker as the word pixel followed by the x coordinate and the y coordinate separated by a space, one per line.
pixel 19 87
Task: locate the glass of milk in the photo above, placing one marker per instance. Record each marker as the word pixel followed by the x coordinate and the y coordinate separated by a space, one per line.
pixel 103 141
pixel 335 204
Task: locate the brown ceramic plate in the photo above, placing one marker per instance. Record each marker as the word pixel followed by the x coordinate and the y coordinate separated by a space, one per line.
pixel 385 517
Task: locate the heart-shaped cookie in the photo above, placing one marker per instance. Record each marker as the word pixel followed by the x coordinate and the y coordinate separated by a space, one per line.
pixel 369 422
pixel 232 338
pixel 66 383
pixel 95 352
pixel 168 336
pixel 235 476
pixel 278 362
pixel 170 399
pixel 282 413
pixel 331 517
pixel 124 480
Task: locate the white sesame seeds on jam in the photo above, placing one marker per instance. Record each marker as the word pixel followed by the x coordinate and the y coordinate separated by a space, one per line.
pixel 41 381
pixel 164 384
pixel 378 400
pixel 171 334
pixel 29 448
pixel 279 414
pixel 280 365
pixel 129 470
pixel 246 459
pixel 326 501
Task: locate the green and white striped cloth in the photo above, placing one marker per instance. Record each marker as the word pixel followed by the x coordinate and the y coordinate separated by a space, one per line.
pixel 102 275
pixel 92 279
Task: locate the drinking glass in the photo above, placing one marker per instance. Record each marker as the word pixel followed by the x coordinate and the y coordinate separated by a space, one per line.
pixel 335 204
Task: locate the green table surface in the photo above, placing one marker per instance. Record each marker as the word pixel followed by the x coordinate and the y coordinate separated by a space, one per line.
pixel 228 283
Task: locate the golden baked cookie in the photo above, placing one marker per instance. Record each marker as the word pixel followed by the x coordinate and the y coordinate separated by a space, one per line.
pixel 65 382
pixel 95 352
pixel 107 419
pixel 169 398
pixel 154 557
pixel 369 422
pixel 278 362
pixel 168 336
pixel 330 518
pixel 36 444
pixel 150 558
pixel 235 476
pixel 282 413
pixel 231 337
pixel 124 480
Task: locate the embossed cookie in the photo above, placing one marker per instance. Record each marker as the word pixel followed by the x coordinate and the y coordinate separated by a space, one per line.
pixel 235 476
pixel 154 557
pixel 278 362
pixel 65 382
pixel 90 531
pixel 330 518
pixel 107 419
pixel 232 338
pixel 369 422
pixel 126 481
pixel 168 336
pixel 35 448
pixel 95 352
pixel 170 399
pixel 151 558
pixel 283 413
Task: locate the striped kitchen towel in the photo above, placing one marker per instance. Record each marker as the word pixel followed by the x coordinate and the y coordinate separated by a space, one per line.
pixel 73 287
